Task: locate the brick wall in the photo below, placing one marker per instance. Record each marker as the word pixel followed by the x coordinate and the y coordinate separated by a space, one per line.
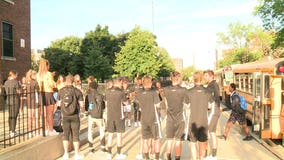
pixel 18 15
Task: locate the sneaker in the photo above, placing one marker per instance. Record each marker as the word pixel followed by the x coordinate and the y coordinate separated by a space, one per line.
pixel 247 138
pixel 53 133
pixel 129 124
pixel 139 124
pixel 223 137
pixel 13 134
pixel 135 124
pixel 91 150
pixel 109 156
pixel 120 156
pixel 139 156
pixel 210 158
pixel 78 156
pixel 65 156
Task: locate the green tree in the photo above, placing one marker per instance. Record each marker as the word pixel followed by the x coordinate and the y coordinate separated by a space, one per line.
pixel 98 49
pixel 64 56
pixel 139 55
pixel 167 65
pixel 187 73
pixel 244 43
pixel 272 15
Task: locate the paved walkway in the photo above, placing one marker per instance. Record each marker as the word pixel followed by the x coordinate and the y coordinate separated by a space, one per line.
pixel 232 149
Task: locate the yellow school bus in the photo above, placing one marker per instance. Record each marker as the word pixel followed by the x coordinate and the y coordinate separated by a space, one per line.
pixel 262 84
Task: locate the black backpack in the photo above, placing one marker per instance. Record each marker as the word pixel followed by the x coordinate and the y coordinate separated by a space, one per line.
pixel 68 101
pixel 96 105
pixel 57 120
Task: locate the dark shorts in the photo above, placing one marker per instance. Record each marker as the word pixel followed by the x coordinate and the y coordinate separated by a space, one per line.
pixel 115 126
pixel 71 124
pixel 175 129
pixel 198 133
pixel 234 117
pixel 151 131
pixel 46 99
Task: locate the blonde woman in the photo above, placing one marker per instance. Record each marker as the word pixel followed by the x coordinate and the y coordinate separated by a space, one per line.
pixel 46 84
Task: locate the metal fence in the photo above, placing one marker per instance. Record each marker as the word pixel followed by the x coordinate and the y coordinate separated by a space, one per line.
pixel 21 118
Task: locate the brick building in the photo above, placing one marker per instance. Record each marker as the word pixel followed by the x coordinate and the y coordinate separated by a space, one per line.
pixel 15 37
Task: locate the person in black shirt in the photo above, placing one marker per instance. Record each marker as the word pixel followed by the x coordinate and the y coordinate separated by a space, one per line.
pixel 149 102
pixel 115 99
pixel 198 100
pixel 214 114
pixel 235 116
pixel 175 95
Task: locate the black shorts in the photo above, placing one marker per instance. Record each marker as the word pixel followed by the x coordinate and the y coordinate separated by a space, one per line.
pixel 46 99
pixel 151 131
pixel 241 118
pixel 175 129
pixel 198 132
pixel 71 124
pixel 115 126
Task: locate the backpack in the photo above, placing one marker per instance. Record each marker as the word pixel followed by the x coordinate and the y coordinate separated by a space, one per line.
pixel 243 104
pixel 68 101
pixel 96 105
pixel 57 119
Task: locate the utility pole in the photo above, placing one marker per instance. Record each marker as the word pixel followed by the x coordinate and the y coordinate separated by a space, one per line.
pixel 153 16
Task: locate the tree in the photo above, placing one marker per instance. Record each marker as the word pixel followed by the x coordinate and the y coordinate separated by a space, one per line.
pixel 139 55
pixel 167 65
pixel 244 43
pixel 98 49
pixel 272 16
pixel 187 73
pixel 64 56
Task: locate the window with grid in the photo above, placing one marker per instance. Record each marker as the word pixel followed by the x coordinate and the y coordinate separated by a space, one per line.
pixel 7 33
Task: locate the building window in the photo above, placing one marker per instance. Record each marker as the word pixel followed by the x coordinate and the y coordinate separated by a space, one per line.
pixel 7 30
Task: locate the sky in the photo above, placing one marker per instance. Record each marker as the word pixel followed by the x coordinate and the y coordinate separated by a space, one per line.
pixel 185 28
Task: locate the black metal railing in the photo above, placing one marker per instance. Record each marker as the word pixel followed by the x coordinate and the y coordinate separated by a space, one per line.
pixel 21 118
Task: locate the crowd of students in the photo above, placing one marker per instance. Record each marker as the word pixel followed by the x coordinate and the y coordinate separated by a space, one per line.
pixel 191 114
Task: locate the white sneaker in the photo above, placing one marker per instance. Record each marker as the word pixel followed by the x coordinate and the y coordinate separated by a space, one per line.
pixel 65 156
pixel 139 156
pixel 109 156
pixel 139 124
pixel 135 124
pixel 53 133
pixel 210 158
pixel 78 156
pixel 120 156
pixel 129 123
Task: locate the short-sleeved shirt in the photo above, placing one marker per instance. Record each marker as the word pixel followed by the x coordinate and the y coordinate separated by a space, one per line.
pixel 78 94
pixel 114 99
pixel 175 96
pixel 32 93
pixel 213 87
pixel 198 97
pixel 11 86
pixel 147 99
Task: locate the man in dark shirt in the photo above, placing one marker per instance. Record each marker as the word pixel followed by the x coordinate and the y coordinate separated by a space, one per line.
pixel 71 123
pixel 198 101
pixel 175 96
pixel 115 98
pixel 149 101
pixel 214 114
pixel 235 116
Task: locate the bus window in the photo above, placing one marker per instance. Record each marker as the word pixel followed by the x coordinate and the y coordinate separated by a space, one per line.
pixel 250 83
pixel 257 87
pixel 266 86
pixel 237 80
pixel 246 82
